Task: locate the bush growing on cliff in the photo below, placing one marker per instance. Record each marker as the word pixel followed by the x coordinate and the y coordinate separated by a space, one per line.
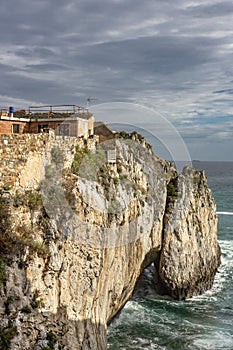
pixel 6 336
pixel 172 189
pixel 52 339
pixel 78 158
pixel 6 188
pixel 5 228
pixel 2 272
pixel 133 135
pixel 32 199
pixel 86 163
pixel 36 302
pixel 92 163
pixel 57 155
pixel 14 240
pixel 4 215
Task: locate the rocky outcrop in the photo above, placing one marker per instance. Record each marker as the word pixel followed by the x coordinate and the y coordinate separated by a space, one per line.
pixel 190 254
pixel 76 246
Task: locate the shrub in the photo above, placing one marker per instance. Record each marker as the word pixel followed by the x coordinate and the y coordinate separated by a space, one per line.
pixel 172 189
pixel 78 158
pixel 36 302
pixel 52 339
pixel 6 188
pixel 57 155
pixel 6 236
pixel 26 309
pixel 34 199
pixel 6 336
pixel 123 134
pixel 2 272
pixel 13 241
pixel 115 181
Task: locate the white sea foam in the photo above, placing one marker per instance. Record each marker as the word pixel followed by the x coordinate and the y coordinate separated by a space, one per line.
pixel 224 213
pixel 216 340
pixel 222 275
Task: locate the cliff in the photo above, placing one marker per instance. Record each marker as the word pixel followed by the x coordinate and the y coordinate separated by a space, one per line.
pixel 76 233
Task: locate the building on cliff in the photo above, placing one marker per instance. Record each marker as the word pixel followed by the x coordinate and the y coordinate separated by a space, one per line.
pixel 65 120
pixel 103 131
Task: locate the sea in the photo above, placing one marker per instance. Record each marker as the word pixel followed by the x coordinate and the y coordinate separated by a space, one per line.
pixel 202 322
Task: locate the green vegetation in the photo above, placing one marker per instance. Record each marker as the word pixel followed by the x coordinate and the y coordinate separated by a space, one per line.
pixel 36 302
pixel 115 181
pixel 80 153
pixel 89 168
pixel 52 340
pixel 6 237
pixel 6 188
pixel 172 189
pixel 32 199
pixel 103 170
pixel 129 136
pixel 8 302
pixel 14 239
pixel 57 155
pixel 2 272
pixel 6 336
pixel 37 247
pixel 24 239
pixel 26 309
pixel 123 177
pixel 119 166
pixel 106 179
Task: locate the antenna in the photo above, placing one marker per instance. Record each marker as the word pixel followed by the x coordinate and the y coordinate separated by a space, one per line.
pixel 89 99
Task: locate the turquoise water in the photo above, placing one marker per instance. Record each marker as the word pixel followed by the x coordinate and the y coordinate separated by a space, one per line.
pixel 201 323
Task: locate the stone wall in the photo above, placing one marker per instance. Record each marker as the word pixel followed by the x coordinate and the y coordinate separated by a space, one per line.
pixel 23 157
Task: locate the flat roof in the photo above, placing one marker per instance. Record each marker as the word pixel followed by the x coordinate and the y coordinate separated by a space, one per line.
pixel 34 117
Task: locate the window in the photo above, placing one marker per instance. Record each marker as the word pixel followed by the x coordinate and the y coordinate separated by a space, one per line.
pixel 64 129
pixel 15 128
pixel 42 127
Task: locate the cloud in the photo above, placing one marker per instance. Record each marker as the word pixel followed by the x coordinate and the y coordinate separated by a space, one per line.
pixel 226 91
pixel 213 10
pixel 175 57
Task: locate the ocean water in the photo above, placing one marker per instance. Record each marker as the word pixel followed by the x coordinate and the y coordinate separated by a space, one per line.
pixel 201 323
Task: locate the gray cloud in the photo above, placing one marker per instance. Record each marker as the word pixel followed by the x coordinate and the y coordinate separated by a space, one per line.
pixel 46 67
pixel 161 55
pixel 173 57
pixel 223 8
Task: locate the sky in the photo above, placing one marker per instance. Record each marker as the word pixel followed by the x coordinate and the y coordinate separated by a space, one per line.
pixel 174 57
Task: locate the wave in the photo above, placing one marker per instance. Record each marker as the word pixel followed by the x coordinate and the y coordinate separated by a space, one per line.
pixel 224 213
pixel 199 323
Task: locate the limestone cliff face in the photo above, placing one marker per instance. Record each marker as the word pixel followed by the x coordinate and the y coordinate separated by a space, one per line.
pixel 190 252
pixel 76 246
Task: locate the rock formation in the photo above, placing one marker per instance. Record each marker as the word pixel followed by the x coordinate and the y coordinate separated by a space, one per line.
pixel 74 243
